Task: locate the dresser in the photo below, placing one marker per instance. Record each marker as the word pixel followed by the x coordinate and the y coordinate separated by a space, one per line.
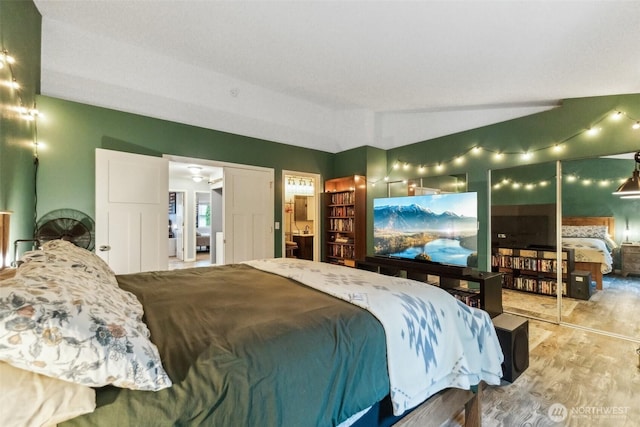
pixel 630 258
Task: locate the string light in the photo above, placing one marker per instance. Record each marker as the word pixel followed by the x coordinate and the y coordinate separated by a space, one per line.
pixel 5 58
pixel 569 179
pixel 29 114
pixel 499 155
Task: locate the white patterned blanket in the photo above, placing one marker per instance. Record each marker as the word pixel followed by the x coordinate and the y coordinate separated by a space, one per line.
pixel 433 340
pixel 590 250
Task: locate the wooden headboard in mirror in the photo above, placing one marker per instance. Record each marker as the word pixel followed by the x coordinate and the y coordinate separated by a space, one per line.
pixel 609 221
pixel 593 267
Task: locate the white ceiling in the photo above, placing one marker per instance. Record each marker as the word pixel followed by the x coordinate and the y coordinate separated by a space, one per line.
pixel 336 75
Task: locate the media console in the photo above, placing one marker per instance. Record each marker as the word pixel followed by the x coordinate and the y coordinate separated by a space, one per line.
pixel 489 294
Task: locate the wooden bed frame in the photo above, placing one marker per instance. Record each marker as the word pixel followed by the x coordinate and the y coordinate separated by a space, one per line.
pixel 446 405
pixel 593 267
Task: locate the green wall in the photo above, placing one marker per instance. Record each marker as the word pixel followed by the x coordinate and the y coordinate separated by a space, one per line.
pixel 72 131
pixel 505 192
pixel 20 24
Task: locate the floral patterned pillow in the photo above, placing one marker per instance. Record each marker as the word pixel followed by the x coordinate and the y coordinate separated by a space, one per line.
pixel 63 251
pixel 58 320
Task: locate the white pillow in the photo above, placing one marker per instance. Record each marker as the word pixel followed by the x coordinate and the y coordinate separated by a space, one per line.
pixel 29 399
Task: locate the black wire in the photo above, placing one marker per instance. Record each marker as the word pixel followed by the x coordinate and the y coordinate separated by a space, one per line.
pixel 36 164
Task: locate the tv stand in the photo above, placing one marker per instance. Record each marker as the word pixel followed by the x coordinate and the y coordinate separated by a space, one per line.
pixel 490 283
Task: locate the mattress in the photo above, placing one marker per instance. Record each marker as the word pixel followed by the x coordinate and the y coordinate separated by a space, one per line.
pixel 587 249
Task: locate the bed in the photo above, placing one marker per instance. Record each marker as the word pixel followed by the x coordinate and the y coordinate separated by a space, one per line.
pixel 592 239
pixel 268 342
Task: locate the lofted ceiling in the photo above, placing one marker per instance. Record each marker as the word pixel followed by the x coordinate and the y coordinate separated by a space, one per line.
pixel 336 75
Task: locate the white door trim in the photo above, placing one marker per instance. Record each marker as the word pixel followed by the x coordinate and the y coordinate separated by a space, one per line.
pixel 214 163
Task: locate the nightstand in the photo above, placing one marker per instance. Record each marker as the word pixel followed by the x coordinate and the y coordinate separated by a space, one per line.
pixel 630 258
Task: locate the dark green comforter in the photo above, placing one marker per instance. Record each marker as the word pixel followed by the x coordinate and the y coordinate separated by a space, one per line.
pixel 248 348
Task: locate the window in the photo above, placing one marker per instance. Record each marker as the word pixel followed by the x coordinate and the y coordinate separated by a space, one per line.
pixel 203 216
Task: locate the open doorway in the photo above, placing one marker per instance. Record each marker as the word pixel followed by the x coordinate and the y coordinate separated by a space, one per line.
pixel 228 206
pixel 176 226
pixel 191 220
pixel 301 215
pixel 203 225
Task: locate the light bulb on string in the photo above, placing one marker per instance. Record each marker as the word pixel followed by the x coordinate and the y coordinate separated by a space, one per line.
pixel 6 58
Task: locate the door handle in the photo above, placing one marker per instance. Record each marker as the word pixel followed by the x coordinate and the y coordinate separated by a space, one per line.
pixel 104 248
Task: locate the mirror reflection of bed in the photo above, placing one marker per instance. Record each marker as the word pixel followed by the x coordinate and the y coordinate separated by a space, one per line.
pixel 593 242
pixel 595 225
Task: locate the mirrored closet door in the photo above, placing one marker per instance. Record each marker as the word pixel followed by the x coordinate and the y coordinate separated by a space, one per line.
pixel 523 239
pixel 602 230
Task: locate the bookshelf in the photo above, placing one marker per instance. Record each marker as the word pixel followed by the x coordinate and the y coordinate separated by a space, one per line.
pixel 487 295
pixel 533 270
pixel 345 203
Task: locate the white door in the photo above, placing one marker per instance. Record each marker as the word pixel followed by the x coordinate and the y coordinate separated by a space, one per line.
pixel 131 211
pixel 248 214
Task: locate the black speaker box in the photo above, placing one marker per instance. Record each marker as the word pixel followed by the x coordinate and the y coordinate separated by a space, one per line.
pixel 580 287
pixel 513 334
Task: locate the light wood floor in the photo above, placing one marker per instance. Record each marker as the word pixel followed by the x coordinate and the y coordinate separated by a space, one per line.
pixel 595 378
pixel 202 260
pixel 615 309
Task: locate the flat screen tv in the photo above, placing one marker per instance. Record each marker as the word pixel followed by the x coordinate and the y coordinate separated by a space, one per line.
pixel 440 228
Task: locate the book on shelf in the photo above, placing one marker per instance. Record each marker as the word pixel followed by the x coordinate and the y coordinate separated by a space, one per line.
pixel 471 299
